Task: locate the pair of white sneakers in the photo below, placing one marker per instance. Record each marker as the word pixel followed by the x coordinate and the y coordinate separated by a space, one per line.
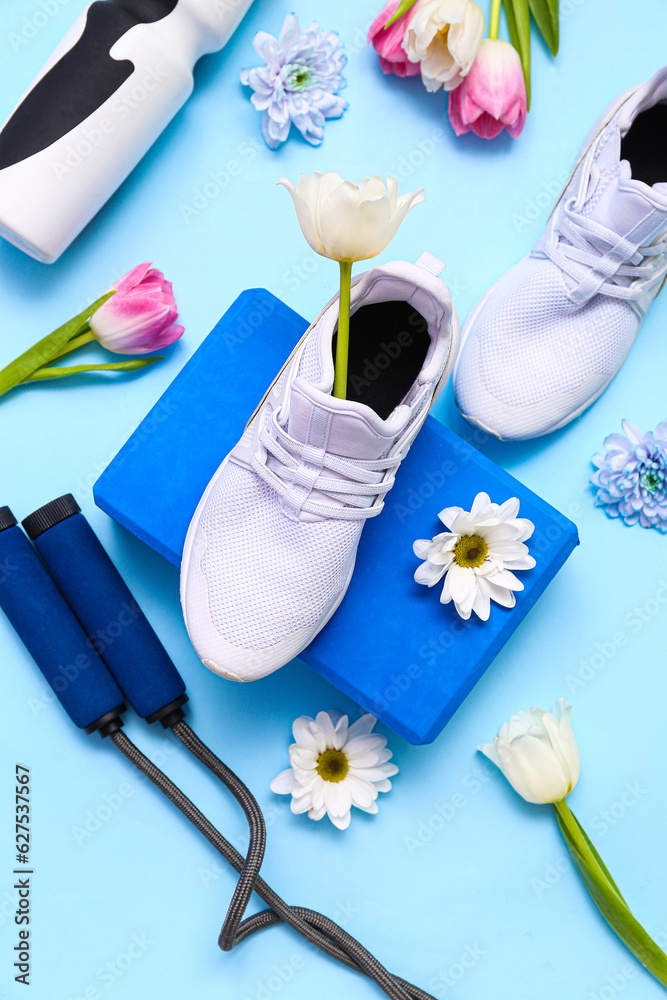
pixel 272 545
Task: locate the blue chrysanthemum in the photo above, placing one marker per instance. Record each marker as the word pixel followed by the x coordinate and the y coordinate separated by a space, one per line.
pixel 300 81
pixel 632 476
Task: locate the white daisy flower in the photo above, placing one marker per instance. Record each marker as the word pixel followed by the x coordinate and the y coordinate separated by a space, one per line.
pixel 476 555
pixel 335 766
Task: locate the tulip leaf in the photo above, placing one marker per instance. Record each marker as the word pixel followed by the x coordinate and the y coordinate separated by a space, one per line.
pixel 403 7
pixel 46 349
pixel 545 13
pixel 517 13
pixel 118 366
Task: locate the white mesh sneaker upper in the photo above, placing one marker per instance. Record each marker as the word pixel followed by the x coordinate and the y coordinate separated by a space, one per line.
pixel 252 542
pixel 549 336
pixel 271 548
pixel 310 366
pixel 534 342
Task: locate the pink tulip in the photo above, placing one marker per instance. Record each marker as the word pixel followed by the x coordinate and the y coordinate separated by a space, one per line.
pixel 141 315
pixel 492 97
pixel 388 42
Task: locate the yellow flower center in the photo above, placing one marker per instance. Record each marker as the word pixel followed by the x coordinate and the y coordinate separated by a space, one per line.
pixel 443 36
pixel 332 765
pixel 471 551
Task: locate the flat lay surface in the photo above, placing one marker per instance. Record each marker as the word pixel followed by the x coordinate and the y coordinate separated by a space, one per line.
pixel 457 885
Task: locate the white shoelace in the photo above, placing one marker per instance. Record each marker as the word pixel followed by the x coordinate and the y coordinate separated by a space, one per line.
pixel 576 249
pixel 297 472
pixel 597 258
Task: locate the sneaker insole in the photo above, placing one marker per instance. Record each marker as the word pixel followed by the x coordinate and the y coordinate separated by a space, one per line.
pixel 644 146
pixel 389 342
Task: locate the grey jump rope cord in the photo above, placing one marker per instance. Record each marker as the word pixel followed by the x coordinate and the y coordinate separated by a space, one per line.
pixel 257 828
pixel 313 926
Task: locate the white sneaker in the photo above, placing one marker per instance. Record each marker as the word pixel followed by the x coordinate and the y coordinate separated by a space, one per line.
pixel 547 339
pixel 271 547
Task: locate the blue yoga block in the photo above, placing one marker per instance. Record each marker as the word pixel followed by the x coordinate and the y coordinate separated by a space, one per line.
pixel 391 645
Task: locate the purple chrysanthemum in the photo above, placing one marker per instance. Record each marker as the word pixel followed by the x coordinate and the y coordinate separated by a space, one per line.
pixel 300 81
pixel 632 476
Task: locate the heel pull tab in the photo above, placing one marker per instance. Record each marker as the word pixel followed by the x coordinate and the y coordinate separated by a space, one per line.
pixel 429 262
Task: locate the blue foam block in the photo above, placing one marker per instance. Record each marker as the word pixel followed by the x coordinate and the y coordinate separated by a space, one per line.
pixel 391 645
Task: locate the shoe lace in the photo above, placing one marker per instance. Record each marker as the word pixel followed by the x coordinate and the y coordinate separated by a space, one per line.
pixel 296 472
pixel 598 259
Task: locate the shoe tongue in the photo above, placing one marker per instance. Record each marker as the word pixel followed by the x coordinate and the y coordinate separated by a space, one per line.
pixel 622 204
pixel 341 426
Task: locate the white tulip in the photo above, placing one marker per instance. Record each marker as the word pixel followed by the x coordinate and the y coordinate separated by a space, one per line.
pixel 537 753
pixel 443 36
pixel 345 221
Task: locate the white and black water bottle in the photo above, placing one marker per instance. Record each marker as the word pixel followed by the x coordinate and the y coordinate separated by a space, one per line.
pixel 112 85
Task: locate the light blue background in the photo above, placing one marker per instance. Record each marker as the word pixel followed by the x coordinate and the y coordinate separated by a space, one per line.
pixel 455 862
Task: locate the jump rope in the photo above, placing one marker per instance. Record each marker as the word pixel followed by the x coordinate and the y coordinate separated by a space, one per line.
pixel 62 594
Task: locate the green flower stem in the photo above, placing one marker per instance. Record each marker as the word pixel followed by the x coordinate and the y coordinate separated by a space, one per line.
pixel 403 7
pixel 343 340
pixel 584 847
pixel 494 18
pixel 607 896
pixel 85 336
pixel 119 366
pixel 46 349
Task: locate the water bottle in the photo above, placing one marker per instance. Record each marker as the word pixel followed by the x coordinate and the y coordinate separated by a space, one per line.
pixel 103 97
